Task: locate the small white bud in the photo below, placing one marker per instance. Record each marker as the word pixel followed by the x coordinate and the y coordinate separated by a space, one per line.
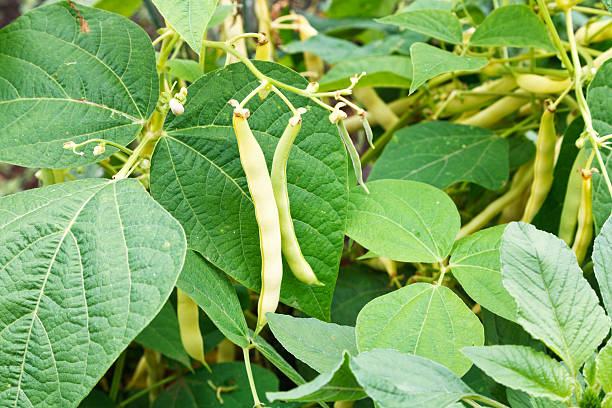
pixel 176 107
pixel 98 150
pixel 312 87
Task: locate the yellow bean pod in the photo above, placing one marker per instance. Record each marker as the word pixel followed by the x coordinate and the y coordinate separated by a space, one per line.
pixel 540 84
pixel 266 212
pixel 467 102
pixel 544 165
pixel 188 316
pixel 290 246
pixel 584 233
pixel 571 203
pixel 496 112
pixel 594 32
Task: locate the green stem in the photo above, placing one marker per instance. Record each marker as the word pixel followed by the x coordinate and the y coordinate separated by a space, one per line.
pixel 117 374
pixel 555 36
pixel 148 389
pixel 247 365
pixel 582 103
pixel 131 161
pixel 485 400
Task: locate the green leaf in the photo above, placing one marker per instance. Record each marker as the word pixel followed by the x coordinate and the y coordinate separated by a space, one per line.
pixel 360 8
pixel 443 153
pixel 356 286
pixel 58 84
pixel 389 71
pixel 196 174
pixel 608 4
pixel 523 368
pixel 330 49
pixel 599 99
pixel 196 390
pixel 163 335
pixel 604 367
pixel 124 7
pixel 318 344
pixel 220 14
pixel 338 384
pixel 436 23
pixel 500 331
pixel 515 25
pixel 429 61
pixel 189 18
pixel 188 70
pixel 520 399
pixel 475 264
pixel 97 399
pixel 602 255
pixel 403 220
pixel 276 359
pixel 214 293
pixel 421 319
pixel 555 303
pixel 82 272
pixel 394 379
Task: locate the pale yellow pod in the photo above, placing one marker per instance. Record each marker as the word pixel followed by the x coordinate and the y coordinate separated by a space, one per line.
pixel 291 249
pixel 260 186
pixel 540 84
pixel 584 233
pixel 188 316
pixel 466 102
pixel 594 32
pixel 496 112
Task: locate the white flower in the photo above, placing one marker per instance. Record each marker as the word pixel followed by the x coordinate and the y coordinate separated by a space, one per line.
pixel 176 107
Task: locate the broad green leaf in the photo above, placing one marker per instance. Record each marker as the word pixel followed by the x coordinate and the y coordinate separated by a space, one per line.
pixel 82 272
pixel 220 14
pixel 604 367
pixel 356 286
pixel 443 153
pixel 318 344
pixel 214 293
pixel 398 380
pixel 360 8
pixel 520 151
pixel 599 99
pixel 188 70
pixel 436 23
pixel 515 25
pixel 403 220
pixel 421 319
pixel 475 264
pixel 189 18
pixel 429 61
pixel 58 85
pixel 520 399
pixel 500 331
pixel 124 7
pixel 446 5
pixel 391 71
pixel 276 359
pixel 196 174
pixel 555 303
pixel 163 335
pixel 602 263
pixel 196 390
pixel 523 368
pixel 338 384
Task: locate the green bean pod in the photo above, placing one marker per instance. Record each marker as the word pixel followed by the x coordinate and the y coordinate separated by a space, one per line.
pixel 584 233
pixel 571 203
pixel 187 314
pixel 354 155
pixel 544 165
pixel 290 246
pixel 266 212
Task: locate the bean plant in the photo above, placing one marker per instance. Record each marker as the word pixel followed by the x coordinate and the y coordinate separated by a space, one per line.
pixel 350 203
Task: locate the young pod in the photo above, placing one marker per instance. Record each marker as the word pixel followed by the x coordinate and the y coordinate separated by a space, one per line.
pixel 544 165
pixel 540 84
pixel 497 111
pixel 466 102
pixel 291 249
pixel 266 212
pixel 263 49
pixel 584 233
pixel 594 32
pixel 187 313
pixel 571 203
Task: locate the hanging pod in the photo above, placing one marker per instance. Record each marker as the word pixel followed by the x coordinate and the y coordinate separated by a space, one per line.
pixel 290 246
pixel 266 212
pixel 544 165
pixel 188 316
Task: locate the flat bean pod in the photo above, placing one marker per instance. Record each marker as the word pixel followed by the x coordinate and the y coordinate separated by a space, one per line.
pixel 571 203
pixel 290 246
pixel 584 233
pixel 266 212
pixel 187 313
pixel 544 165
